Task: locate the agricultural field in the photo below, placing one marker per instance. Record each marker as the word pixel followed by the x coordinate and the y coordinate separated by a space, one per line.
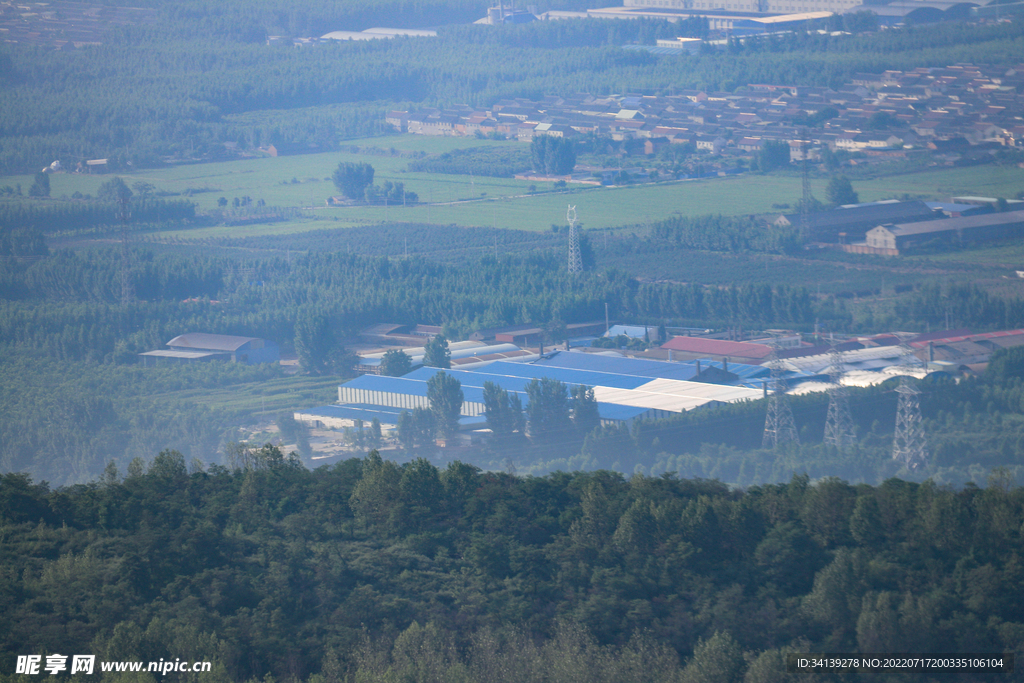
pixel 506 203
pixel 264 398
pixel 304 183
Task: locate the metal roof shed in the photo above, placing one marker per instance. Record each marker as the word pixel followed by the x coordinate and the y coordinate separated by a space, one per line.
pixel 662 405
pixel 701 390
pixel 621 365
pixel 569 376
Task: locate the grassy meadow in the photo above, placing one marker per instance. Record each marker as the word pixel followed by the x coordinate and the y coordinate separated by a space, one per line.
pixel 304 182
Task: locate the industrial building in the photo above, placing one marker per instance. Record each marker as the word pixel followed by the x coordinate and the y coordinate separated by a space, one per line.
pixel 761 6
pixel 630 389
pixel 892 239
pixel 379 33
pixel 724 16
pixel 626 389
pixel 463 353
pixel 200 347
pixel 852 223
pixel 692 348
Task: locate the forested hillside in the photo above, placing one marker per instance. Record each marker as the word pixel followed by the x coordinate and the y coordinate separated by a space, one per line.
pixel 370 571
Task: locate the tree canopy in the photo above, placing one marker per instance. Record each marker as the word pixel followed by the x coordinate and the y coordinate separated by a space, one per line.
pixel 265 568
pixel 774 154
pixel 437 354
pixel 504 413
pixel 839 191
pixel 352 179
pixel 445 395
pixel 395 363
pixel 553 155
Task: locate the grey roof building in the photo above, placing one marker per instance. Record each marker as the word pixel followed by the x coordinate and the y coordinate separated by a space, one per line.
pixel 855 221
pixel 892 239
pixel 199 347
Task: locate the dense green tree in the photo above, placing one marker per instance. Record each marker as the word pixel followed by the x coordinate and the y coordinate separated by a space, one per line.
pixel 1006 365
pixel 446 397
pixel 395 363
pixel 314 342
pixel 858 22
pixel 406 431
pixel 774 154
pixel 374 497
pixel 114 190
pixel 352 179
pixel 719 659
pixel 393 193
pixel 553 155
pixel 354 566
pixel 376 437
pixel 548 410
pixel 583 406
pixel 40 185
pixel 437 354
pixel 504 413
pixel 789 558
pixel 839 191
pixel 424 427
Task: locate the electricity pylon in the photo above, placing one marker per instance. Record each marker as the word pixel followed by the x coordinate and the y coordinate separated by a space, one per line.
pixel 575 259
pixel 778 424
pixel 839 430
pixel 909 445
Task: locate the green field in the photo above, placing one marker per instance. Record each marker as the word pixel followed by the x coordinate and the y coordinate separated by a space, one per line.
pixel 268 396
pixel 304 182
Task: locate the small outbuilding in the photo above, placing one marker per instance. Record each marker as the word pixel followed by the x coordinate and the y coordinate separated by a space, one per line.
pixel 198 347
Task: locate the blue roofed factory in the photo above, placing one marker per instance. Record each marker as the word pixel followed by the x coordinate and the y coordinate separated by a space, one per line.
pixel 626 389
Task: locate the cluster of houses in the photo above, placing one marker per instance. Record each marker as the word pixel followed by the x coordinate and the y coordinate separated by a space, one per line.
pixel 953 111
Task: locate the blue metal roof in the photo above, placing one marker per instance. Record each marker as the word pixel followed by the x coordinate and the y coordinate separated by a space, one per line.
pixel 397 385
pixel 415 383
pixel 570 376
pixel 475 379
pixel 750 376
pixel 953 206
pixel 637 367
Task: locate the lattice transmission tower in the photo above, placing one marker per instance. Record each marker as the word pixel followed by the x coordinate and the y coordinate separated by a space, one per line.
pixel 778 424
pixel 575 259
pixel 839 430
pixel 910 444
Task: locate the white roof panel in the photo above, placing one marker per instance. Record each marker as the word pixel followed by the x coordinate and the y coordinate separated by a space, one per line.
pixel 644 399
pixel 700 390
